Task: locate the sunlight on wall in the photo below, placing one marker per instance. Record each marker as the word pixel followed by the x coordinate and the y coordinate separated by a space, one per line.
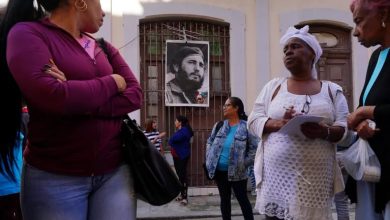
pixel 147 1
pixel 106 5
pixel 155 1
pixel 132 7
pixel 3 3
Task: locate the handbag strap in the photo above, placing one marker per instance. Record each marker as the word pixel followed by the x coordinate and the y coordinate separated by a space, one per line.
pixel 102 44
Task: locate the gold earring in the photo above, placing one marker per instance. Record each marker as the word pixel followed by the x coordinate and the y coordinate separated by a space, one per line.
pixel 81 5
pixel 383 24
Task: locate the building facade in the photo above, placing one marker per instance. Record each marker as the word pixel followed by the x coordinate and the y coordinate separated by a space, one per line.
pixel 244 52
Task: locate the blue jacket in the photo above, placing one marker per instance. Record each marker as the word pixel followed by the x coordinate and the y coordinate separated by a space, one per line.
pixel 180 142
pixel 242 154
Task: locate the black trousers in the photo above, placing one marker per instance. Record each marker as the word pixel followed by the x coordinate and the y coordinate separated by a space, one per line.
pixel 181 171
pixel 239 188
pixel 10 207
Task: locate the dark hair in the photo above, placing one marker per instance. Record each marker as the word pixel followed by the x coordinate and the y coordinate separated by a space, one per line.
pixel 370 4
pixel 16 11
pixel 236 102
pixel 182 53
pixel 184 123
pixel 149 125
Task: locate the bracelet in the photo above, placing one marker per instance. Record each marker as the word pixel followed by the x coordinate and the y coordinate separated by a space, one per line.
pixel 328 135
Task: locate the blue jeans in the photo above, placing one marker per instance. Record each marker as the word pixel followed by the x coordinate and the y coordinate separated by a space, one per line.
pixel 341 199
pixel 50 196
pixel 365 209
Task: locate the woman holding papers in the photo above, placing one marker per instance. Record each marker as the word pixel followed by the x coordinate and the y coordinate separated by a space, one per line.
pixel 297 175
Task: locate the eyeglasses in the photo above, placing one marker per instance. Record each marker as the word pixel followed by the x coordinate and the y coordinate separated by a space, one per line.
pixel 227 105
pixel 306 105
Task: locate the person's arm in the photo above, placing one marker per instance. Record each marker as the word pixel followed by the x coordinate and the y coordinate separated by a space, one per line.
pixel 130 99
pixel 180 135
pixel 211 138
pixel 258 118
pixel 338 130
pixel 27 54
pixel 381 116
pixel 251 149
pixel 162 134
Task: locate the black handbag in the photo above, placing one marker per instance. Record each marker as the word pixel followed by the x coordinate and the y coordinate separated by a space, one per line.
pixel 154 180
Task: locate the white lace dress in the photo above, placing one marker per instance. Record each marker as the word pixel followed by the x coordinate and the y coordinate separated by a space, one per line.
pixel 298 173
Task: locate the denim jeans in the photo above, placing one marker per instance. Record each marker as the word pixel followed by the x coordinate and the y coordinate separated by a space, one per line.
pixel 341 199
pixel 50 196
pixel 365 209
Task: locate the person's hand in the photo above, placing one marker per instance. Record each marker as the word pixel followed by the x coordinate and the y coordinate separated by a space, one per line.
pixel 120 82
pixel 364 130
pixel 274 125
pixel 52 69
pixel 314 130
pixel 162 134
pixel 289 113
pixel 199 99
pixel 360 114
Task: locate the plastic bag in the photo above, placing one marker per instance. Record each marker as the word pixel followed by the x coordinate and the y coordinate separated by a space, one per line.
pixel 361 162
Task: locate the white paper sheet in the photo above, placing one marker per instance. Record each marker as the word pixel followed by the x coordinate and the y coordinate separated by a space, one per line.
pixel 293 127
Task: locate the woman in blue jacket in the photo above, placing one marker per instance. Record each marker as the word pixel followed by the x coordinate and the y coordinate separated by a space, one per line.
pixel 180 148
pixel 230 151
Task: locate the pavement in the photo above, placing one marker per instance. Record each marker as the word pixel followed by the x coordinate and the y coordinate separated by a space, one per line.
pixel 201 207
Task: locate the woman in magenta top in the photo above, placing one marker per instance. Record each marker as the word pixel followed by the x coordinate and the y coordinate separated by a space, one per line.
pixel 77 97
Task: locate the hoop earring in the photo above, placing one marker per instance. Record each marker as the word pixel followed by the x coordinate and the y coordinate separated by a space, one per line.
pixel 383 24
pixel 81 5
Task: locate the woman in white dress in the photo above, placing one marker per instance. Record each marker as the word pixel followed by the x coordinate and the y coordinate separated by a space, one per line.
pixel 297 174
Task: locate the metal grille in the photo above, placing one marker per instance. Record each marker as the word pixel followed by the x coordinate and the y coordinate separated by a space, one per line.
pixel 153 34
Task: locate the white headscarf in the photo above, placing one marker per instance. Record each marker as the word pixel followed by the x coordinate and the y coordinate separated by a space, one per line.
pixel 304 35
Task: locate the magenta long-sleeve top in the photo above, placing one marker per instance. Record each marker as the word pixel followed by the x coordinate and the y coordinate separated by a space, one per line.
pixel 74 126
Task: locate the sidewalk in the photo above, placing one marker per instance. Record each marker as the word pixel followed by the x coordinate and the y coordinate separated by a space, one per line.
pixel 199 207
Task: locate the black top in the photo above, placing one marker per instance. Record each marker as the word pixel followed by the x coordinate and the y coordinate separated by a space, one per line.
pixel 378 96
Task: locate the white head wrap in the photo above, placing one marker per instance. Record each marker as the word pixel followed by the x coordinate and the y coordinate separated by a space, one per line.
pixel 304 35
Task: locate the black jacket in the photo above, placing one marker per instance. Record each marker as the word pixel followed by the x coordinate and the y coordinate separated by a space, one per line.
pixel 378 96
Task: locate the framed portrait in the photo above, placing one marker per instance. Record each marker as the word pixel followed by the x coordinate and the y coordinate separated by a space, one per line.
pixel 187 73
